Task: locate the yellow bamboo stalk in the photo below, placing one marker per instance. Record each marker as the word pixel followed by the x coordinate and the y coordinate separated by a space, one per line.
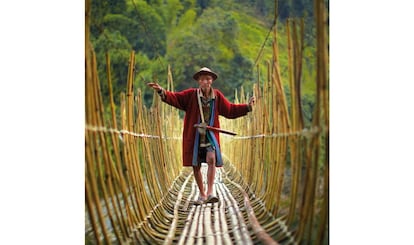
pixel 122 169
pixel 140 192
pixel 322 61
pixel 292 78
pixel 102 157
pixel 118 175
pixel 134 213
pixel 160 144
pixel 94 192
pixel 91 101
pixel 312 187
pixel 295 57
pixel 291 67
pixel 135 190
pixel 91 214
pixel 147 167
pixel 325 203
pixel 299 47
pixel 264 129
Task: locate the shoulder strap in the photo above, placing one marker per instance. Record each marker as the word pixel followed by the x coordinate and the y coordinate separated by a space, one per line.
pixel 200 106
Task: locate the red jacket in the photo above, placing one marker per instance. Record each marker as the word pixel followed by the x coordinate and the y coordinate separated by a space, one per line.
pixel 186 100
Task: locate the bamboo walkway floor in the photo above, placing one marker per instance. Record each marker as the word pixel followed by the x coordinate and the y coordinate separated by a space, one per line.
pixel 214 223
pixel 235 219
pixel 238 218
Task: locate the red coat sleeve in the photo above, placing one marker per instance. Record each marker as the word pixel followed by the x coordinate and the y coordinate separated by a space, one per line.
pixel 228 109
pixel 179 100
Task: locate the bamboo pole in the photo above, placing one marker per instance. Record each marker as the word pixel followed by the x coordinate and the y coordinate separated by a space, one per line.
pixel 89 204
pixel 119 188
pixel 90 139
pixel 103 165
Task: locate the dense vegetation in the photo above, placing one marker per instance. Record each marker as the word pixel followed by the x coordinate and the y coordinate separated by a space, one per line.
pixel 225 35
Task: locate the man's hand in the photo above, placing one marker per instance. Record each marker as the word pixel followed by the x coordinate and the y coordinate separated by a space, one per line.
pixel 252 100
pixel 155 86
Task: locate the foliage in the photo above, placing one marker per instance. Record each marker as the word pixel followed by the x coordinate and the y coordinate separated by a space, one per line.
pixel 210 42
pixel 226 36
pixel 119 50
pixel 148 34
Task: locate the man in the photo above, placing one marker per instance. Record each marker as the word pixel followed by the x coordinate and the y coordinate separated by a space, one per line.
pixel 202 106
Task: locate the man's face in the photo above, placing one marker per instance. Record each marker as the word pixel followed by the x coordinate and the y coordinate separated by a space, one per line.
pixel 205 81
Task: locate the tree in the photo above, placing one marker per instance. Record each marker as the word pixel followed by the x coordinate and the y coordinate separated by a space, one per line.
pixel 148 33
pixel 119 50
pixel 171 12
pixel 190 52
pixel 203 4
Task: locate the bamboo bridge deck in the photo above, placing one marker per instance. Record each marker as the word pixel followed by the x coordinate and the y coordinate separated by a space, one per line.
pixel 232 220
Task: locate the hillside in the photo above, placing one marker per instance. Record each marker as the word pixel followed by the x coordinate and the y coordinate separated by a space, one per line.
pixel 226 36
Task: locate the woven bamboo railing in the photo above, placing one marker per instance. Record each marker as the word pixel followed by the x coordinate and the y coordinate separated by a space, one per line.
pixel 280 161
pixel 277 169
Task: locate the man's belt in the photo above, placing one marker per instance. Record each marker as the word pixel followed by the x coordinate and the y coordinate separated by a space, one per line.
pixel 205 145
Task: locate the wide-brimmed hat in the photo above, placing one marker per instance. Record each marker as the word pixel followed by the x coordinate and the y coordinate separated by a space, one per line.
pixel 203 71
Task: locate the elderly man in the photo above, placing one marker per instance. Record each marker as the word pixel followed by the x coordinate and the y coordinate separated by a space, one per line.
pixel 202 106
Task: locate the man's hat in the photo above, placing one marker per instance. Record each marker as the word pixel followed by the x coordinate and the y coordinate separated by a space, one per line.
pixel 205 71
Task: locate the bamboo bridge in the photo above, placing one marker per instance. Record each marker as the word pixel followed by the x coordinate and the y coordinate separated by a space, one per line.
pixel 273 188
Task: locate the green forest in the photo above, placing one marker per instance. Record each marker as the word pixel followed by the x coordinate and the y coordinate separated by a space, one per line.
pixel 229 36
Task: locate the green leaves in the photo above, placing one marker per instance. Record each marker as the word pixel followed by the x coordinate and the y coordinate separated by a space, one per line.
pixel 187 35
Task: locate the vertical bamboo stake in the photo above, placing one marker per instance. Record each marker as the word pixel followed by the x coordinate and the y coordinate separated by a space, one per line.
pixel 134 164
pixel 322 61
pixel 291 76
pixel 91 171
pixel 124 173
pixel 161 145
pixel 91 211
pixel 298 76
pixel 91 103
pixel 325 205
pixel 117 171
pixel 104 168
pixel 297 115
pixel 126 161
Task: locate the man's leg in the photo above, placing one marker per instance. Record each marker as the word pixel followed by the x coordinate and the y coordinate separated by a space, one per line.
pixel 199 180
pixel 211 172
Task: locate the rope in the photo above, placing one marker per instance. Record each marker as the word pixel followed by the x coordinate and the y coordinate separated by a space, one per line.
pixel 305 132
pixel 267 37
pixel 122 132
